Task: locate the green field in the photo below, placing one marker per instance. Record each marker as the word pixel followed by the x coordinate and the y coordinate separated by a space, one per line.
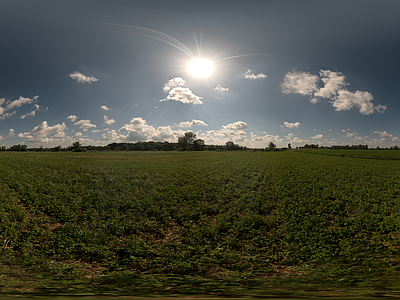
pixel 289 223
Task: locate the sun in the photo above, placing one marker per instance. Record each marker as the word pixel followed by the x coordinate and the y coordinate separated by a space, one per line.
pixel 200 67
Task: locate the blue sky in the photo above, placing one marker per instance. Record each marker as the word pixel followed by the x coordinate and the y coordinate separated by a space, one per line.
pixel 294 72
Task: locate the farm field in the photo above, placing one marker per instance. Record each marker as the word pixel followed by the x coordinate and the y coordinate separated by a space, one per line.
pixel 288 223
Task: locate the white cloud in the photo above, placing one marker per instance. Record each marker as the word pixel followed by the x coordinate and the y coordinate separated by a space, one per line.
pixel 79 77
pixel 7 115
pixel 220 89
pixel 108 121
pixel 77 135
pixel 345 100
pixel 184 95
pixel 20 101
pixel 249 75
pixel 29 114
pixel 290 125
pixel 85 124
pixel 296 141
pixel 355 138
pixel 112 136
pixel 333 89
pixel 333 81
pixel 96 130
pixel 174 82
pixel 104 107
pixel 59 135
pixel 299 82
pixel 43 129
pixel 11 133
pixel 1 138
pixel 239 125
pixel 385 135
pixel 317 137
pixel 72 118
pixel 189 124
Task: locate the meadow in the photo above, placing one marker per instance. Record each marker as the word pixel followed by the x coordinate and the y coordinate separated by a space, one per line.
pixel 300 222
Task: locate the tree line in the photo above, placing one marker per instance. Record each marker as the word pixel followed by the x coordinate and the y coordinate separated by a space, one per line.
pixel 187 142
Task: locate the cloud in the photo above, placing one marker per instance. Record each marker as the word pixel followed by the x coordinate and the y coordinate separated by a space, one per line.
pixel 239 125
pixel 85 124
pixel 249 75
pixel 355 138
pixel 346 100
pixel 296 141
pixel 174 82
pixel 96 130
pixel 14 104
pixel 317 137
pixel 7 115
pixel 290 125
pixel 77 135
pixel 189 124
pixel 334 82
pixel 299 82
pixel 11 134
pixel 112 136
pixel 220 89
pixel 385 135
pixel 59 135
pixel 43 129
pixel 108 121
pixel 72 118
pixel 184 95
pixel 79 77
pixel 104 107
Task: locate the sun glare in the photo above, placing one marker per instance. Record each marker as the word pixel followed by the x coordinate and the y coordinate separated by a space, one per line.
pixel 200 67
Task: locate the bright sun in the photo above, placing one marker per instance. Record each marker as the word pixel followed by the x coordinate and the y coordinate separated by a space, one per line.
pixel 200 67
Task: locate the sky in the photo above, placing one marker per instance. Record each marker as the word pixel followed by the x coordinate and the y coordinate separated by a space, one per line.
pixel 298 72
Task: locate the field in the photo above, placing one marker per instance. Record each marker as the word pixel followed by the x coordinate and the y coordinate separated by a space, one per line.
pixel 317 222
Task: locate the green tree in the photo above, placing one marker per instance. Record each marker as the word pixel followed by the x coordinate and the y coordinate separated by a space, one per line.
pixel 187 141
pixel 271 146
pixel 198 144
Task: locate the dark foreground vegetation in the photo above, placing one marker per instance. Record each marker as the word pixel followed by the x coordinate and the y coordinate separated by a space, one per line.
pixel 305 222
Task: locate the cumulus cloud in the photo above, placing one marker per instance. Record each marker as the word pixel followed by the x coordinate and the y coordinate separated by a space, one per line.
pixel 295 140
pixel 385 135
pixel 108 121
pixel 345 100
pixel 184 95
pixel 11 134
pixel 174 82
pixel 189 124
pixel 79 77
pixel 317 137
pixel 355 138
pixel 239 125
pixel 72 118
pixel 299 82
pixel 290 125
pixel 333 89
pixel 249 75
pixel 85 124
pixel 43 129
pixel 7 115
pixel 220 89
pixel 103 107
pixel 77 135
pixel 59 135
pixel 15 104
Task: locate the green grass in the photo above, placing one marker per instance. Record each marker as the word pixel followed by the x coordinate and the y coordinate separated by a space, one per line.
pixel 308 222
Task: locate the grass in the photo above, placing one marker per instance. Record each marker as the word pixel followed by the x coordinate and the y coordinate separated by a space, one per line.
pixel 295 223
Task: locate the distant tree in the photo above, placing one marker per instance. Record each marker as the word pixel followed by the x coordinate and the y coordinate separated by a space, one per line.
pixel 230 145
pixel 289 146
pixel 271 146
pixel 198 145
pixel 187 141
